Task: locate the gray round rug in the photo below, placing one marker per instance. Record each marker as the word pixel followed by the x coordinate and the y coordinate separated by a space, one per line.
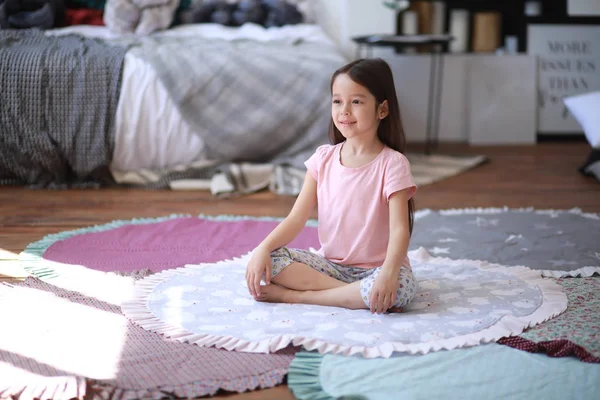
pixel 557 242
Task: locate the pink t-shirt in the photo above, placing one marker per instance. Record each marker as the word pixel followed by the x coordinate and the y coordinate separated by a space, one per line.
pixel 353 207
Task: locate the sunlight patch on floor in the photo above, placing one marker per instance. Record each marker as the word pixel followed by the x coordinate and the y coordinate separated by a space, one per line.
pixel 74 338
pixel 7 255
pixel 9 265
pixel 105 286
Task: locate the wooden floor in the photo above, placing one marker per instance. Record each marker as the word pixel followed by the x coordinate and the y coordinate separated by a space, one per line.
pixel 541 176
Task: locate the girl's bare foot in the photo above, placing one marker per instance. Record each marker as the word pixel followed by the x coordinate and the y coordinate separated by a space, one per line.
pixel 276 294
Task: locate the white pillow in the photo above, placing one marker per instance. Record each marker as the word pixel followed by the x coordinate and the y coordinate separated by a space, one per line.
pixel 586 110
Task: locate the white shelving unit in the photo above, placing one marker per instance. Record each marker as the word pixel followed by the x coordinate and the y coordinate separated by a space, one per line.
pixel 486 99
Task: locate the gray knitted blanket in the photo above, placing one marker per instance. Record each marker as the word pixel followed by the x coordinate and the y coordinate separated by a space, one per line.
pixel 59 97
pixel 250 101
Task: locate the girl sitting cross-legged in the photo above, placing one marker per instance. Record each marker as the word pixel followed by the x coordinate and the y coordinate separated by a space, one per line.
pixel 363 188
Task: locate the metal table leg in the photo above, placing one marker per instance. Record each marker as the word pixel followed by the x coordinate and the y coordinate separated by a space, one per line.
pixel 434 99
pixel 438 97
pixel 430 100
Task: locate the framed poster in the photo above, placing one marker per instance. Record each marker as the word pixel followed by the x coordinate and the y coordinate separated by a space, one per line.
pixel 568 64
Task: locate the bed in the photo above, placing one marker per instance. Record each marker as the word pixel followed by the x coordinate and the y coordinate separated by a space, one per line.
pixel 187 107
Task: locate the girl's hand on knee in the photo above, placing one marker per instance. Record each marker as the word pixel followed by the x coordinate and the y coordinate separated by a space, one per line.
pixel 384 292
pixel 259 265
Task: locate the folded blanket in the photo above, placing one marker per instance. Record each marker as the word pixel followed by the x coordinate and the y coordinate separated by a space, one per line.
pixel 223 180
pixel 140 17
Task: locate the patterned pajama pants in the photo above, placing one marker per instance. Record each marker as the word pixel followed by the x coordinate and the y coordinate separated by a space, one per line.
pixel 407 288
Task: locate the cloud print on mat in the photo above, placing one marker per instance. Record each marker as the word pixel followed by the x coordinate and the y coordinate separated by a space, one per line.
pixel 438 319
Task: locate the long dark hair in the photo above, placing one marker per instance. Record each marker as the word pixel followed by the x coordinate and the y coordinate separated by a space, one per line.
pixel 375 75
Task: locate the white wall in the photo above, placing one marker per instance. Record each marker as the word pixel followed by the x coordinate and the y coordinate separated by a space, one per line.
pixel 328 14
pixel 343 19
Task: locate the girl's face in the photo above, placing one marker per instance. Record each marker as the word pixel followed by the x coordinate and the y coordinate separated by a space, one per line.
pixel 354 109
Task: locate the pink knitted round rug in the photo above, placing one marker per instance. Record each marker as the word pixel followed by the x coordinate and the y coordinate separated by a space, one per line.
pixel 154 244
